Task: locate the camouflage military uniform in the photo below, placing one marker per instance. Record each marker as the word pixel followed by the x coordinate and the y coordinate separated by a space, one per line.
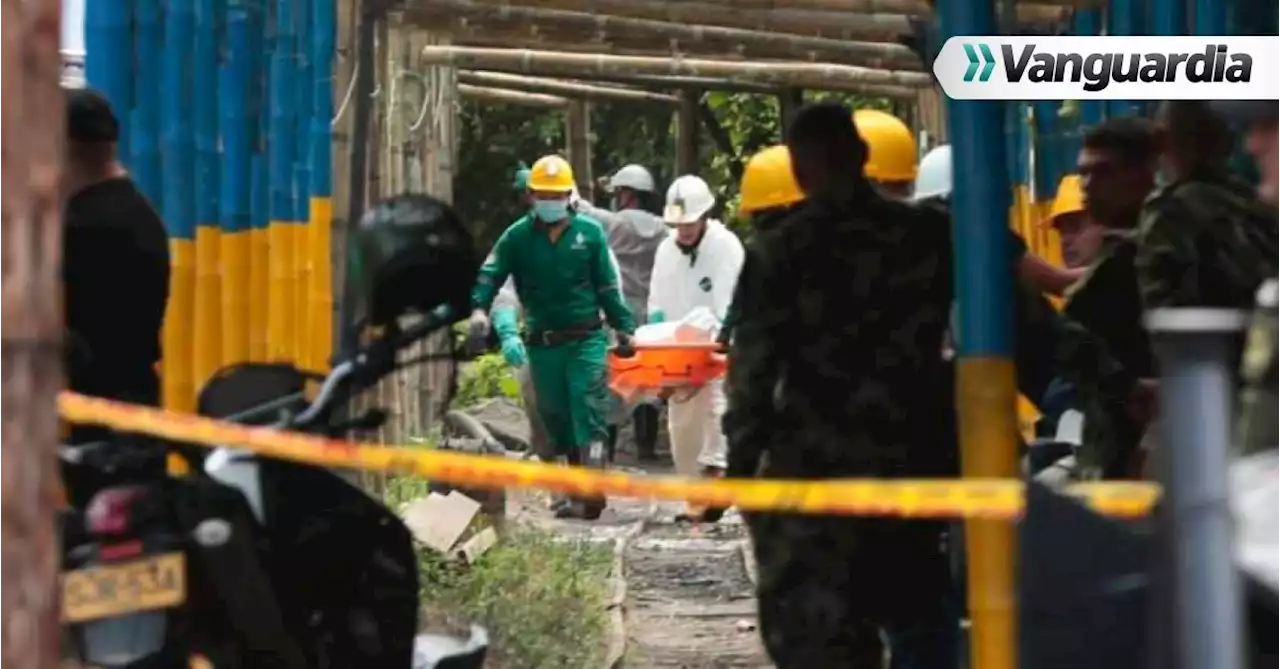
pixel 837 372
pixel 1256 428
pixel 1106 302
pixel 1205 242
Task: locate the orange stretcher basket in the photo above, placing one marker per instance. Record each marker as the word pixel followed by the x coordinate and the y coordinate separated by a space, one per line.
pixel 658 367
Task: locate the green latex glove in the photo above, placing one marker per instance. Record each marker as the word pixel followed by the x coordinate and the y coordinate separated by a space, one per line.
pixel 505 323
pixel 513 352
pixel 520 181
pixel 657 316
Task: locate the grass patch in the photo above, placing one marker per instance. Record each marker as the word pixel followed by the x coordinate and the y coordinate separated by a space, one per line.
pixel 542 600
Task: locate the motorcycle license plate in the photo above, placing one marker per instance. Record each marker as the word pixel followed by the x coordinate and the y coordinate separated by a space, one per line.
pixel 154 582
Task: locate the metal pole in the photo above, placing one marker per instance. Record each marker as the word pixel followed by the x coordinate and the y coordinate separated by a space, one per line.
pixel 1195 349
pixel 986 396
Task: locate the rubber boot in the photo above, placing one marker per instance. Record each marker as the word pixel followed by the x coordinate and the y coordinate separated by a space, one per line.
pixel 646 431
pixel 560 500
pixel 586 508
pixel 612 442
pixel 704 514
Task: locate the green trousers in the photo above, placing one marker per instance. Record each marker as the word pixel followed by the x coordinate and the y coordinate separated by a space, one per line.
pixel 570 381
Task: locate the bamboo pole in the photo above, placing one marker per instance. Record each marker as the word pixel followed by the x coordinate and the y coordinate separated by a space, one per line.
pixel 852 19
pixel 568 89
pixel 681 83
pixel 802 75
pixel 32 330
pixel 509 97
pixel 911 7
pixel 684 34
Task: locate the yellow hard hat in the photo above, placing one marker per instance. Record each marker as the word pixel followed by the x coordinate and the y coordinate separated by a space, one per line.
pixel 891 147
pixel 551 174
pixel 767 182
pixel 1070 198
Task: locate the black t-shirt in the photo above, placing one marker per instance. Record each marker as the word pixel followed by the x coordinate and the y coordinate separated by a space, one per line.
pixel 116 277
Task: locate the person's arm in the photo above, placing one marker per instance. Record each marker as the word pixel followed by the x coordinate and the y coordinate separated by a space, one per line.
pixel 756 367
pixel 1046 277
pixel 727 271
pixel 493 273
pixel 505 313
pixel 608 286
pixel 606 218
pixel 1166 257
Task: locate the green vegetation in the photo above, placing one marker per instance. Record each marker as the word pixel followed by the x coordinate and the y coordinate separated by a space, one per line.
pixel 542 600
pixel 486 377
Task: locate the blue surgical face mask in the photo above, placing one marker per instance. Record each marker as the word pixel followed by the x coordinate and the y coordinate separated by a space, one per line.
pixel 551 211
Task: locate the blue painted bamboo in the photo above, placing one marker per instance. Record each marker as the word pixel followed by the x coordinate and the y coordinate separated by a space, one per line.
pixel 177 132
pixel 144 138
pixel 205 111
pixel 1126 17
pixel 323 20
pixel 302 88
pixel 281 99
pixel 237 121
pixel 108 43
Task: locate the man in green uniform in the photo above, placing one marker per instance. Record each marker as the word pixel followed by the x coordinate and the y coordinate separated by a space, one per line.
pixel 1205 239
pixel 1117 170
pixel 1256 427
pixel 564 277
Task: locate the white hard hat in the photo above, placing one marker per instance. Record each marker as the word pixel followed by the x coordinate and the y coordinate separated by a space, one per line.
pixel 633 176
pixel 934 177
pixel 688 199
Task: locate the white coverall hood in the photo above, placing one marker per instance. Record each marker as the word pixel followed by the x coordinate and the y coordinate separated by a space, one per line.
pixel 704 277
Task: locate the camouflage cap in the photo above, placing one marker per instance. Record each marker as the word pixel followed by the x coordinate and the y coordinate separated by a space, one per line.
pixel 1247 112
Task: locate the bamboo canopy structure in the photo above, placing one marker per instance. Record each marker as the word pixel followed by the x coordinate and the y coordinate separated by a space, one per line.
pixel 879 20
pixel 509 97
pixel 684 34
pixel 32 330
pixel 568 89
pixel 887 83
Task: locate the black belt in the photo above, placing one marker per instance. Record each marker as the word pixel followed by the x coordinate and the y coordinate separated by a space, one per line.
pixel 556 337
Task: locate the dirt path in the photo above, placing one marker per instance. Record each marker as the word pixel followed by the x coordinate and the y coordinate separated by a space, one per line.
pixel 682 595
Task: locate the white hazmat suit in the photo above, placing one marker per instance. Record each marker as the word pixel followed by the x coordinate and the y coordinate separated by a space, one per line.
pixel 701 278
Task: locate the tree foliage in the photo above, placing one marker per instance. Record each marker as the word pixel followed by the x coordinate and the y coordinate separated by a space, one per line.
pixel 497 138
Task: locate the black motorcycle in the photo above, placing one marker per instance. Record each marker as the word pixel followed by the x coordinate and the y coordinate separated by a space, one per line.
pixel 247 561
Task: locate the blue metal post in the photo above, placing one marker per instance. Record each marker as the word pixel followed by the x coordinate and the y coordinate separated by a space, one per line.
pixel 144 137
pixel 1126 17
pixel 986 394
pixel 108 60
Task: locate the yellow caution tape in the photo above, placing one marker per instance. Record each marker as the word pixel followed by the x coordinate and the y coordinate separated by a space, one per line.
pixel 971 498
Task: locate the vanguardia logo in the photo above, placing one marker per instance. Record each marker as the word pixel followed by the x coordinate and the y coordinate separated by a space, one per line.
pixel 988 62
pixel 1118 68
pixel 1098 70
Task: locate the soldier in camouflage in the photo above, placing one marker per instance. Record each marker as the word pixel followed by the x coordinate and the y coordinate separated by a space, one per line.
pixel 1117 169
pixel 1256 427
pixel 837 372
pixel 1205 239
